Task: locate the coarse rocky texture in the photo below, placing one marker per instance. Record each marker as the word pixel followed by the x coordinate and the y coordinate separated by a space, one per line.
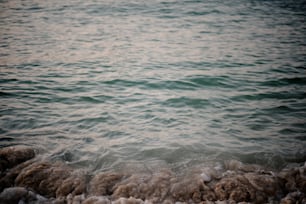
pixel 11 156
pixel 248 187
pixel 51 179
pixel 20 194
pixel 103 183
pixel 41 181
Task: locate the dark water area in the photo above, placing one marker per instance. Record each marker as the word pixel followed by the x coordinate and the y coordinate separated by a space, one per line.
pixel 112 85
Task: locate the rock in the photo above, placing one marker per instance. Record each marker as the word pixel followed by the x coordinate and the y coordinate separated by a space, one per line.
pixel 51 180
pixel 236 188
pixel 8 178
pixel 17 195
pixel 12 156
pixel 264 183
pixel 97 200
pixel 144 186
pixel 103 183
pixel 294 197
pixel 235 165
pixel 130 200
pixel 13 194
pixel 294 179
pixel 189 188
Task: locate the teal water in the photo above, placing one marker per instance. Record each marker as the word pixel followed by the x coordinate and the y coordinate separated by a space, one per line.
pixel 108 84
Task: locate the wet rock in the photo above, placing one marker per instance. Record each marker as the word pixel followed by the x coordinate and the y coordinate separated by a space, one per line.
pixel 209 195
pixel 235 165
pixel 20 195
pixel 157 187
pixel 190 188
pixel 70 199
pixel 130 200
pixel 74 185
pixel 103 183
pixel 97 200
pixel 236 188
pixel 13 195
pixel 144 186
pixel 294 197
pixel 51 180
pixel 12 156
pixel 289 179
pixel 248 187
pixel 130 187
pixel 294 179
pixel 8 178
pixel 43 177
pixel 263 183
pixel 301 179
pixel 105 200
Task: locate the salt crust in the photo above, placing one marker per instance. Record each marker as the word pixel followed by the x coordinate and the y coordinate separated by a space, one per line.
pixel 25 179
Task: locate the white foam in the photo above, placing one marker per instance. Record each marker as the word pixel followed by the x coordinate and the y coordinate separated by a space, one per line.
pixel 205 177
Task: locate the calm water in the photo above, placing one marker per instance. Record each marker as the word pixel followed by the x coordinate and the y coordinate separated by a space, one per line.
pixel 150 84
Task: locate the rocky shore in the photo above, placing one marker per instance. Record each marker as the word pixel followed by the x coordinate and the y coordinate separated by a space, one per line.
pixel 24 178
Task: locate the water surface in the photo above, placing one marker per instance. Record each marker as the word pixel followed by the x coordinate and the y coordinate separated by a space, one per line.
pixel 148 84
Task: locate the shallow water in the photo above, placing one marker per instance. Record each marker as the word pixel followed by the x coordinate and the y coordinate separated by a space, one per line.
pixel 26 179
pixel 147 85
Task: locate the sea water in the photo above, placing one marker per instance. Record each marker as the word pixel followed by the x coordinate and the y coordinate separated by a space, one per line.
pixel 107 85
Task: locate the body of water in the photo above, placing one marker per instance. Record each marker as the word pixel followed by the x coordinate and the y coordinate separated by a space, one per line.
pixel 106 85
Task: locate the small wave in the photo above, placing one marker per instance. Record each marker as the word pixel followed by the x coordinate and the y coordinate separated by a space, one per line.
pixel 4 139
pixel 203 13
pixel 291 131
pixel 6 94
pixel 284 82
pixel 213 81
pixel 8 80
pixel 269 95
pixel 123 83
pixel 88 99
pixel 172 85
pixel 189 102
pixel 90 122
pixel 184 84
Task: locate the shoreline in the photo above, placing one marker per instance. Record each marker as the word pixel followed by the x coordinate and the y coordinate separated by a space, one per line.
pixel 25 178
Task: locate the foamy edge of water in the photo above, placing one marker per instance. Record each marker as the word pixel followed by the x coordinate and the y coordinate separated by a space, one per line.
pixel 29 179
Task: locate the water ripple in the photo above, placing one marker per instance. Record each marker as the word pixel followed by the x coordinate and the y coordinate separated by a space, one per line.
pixel 103 84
